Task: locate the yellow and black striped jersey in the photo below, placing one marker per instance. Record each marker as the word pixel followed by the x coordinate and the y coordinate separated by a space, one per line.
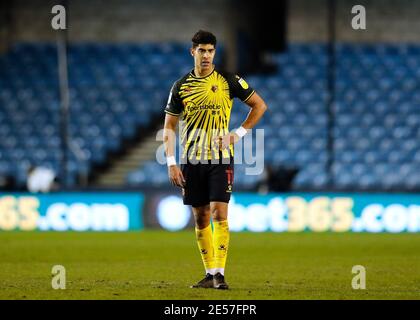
pixel 204 104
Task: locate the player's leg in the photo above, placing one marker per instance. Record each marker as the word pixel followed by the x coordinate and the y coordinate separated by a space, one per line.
pixel 196 194
pixel 204 236
pixel 220 189
pixel 219 212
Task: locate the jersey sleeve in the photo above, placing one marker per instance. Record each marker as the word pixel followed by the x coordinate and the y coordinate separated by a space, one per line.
pixel 239 88
pixel 174 105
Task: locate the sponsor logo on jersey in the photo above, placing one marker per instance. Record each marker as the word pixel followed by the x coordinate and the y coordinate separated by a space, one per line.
pixel 192 107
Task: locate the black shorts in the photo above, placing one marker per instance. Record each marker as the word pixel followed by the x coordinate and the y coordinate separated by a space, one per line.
pixel 207 182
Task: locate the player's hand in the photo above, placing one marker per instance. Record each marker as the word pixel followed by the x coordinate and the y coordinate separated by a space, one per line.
pixel 223 142
pixel 175 176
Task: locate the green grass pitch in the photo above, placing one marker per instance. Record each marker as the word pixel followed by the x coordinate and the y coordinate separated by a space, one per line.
pixel 161 265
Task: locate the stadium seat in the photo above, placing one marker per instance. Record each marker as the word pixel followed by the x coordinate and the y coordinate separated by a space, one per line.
pixel 112 97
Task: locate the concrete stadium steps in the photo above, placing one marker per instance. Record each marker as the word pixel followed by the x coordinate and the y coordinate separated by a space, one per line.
pixel 116 175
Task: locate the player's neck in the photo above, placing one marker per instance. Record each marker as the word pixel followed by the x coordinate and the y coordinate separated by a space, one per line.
pixel 199 72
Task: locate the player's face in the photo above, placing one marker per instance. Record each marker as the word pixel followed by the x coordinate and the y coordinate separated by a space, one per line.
pixel 203 56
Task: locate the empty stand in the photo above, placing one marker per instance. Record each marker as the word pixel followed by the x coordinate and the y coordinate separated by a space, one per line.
pixel 116 90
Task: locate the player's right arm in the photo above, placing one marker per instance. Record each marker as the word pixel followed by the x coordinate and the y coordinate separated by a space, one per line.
pixel 173 110
pixel 169 139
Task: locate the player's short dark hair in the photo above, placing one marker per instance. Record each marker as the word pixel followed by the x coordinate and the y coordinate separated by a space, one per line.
pixel 203 37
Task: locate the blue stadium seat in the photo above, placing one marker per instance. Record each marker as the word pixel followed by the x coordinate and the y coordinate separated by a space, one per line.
pixel 112 97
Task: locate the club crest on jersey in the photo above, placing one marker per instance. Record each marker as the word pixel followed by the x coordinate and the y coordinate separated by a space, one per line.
pixel 214 88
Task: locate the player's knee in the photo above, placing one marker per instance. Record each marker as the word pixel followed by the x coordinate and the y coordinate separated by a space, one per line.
pixel 201 217
pixel 201 222
pixel 218 213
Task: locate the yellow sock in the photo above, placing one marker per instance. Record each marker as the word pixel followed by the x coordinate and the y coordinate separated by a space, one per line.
pixel 205 244
pixel 221 244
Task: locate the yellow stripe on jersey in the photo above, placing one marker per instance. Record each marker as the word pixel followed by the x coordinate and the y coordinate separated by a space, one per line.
pixel 172 114
pixel 250 95
pixel 207 106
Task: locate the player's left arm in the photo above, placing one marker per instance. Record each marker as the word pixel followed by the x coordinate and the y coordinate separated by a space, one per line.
pixel 258 108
